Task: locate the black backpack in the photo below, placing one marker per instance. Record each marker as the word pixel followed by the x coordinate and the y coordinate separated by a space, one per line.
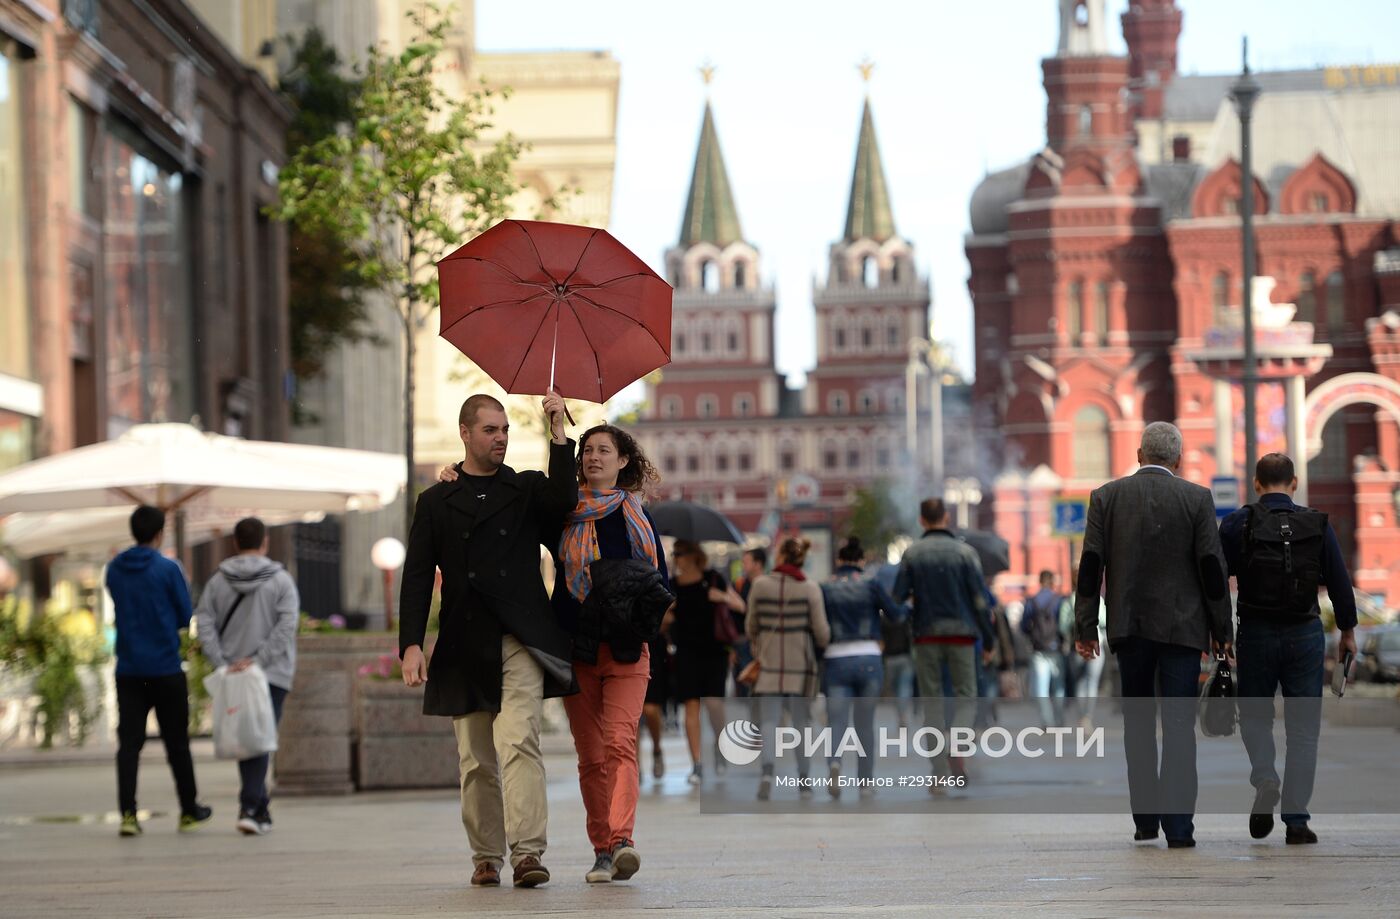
pixel 1282 562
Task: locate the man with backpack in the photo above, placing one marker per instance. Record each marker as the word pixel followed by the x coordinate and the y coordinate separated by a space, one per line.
pixel 1280 553
pixel 1040 621
pixel 249 613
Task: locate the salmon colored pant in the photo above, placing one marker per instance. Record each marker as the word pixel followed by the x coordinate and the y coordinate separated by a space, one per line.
pixel 603 717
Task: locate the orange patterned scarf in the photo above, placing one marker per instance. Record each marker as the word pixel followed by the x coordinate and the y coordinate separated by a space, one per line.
pixel 579 546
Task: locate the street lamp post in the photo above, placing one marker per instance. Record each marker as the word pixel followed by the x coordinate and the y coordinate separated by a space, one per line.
pixel 924 357
pixel 388 555
pixel 1244 93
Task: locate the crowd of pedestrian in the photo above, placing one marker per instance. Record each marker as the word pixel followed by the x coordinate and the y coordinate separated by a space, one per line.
pixel 628 634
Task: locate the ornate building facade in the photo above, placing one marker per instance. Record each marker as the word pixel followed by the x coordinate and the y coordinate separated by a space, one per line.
pixel 722 422
pixel 1106 285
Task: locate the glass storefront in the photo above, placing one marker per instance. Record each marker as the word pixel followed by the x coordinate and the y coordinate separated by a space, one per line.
pixel 15 346
pixel 147 251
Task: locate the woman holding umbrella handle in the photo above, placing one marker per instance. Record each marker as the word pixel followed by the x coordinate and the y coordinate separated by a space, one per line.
pixel 611 610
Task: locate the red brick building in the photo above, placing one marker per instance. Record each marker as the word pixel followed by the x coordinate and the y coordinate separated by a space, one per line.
pixel 1106 284
pixel 721 422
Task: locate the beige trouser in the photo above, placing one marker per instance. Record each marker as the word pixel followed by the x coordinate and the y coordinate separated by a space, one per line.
pixel 503 785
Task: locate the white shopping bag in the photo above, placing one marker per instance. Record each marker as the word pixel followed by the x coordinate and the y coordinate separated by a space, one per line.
pixel 244 726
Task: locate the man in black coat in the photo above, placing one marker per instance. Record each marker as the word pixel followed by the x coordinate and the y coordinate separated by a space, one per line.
pixel 499 651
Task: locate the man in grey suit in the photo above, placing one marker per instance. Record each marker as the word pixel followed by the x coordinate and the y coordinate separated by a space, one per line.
pixel 1152 538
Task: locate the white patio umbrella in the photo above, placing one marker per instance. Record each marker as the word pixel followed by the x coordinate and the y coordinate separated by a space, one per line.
pixel 104 530
pixel 177 467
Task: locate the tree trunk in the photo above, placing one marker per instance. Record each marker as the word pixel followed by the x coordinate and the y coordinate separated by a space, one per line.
pixel 409 346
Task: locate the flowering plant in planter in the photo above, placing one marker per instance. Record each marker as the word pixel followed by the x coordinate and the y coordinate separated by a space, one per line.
pixel 387 667
pixel 332 623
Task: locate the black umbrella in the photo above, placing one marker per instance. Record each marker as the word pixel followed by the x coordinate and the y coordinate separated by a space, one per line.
pixel 992 550
pixel 695 522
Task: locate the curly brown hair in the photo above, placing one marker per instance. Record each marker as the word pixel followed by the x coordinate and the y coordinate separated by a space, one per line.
pixel 639 475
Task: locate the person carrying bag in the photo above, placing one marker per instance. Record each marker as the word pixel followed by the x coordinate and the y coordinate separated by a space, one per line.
pixel 248 616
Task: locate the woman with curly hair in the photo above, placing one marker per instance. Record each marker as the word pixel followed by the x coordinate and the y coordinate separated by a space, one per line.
pixel 610 595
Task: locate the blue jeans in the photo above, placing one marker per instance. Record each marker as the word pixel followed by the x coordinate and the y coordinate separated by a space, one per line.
pixel 1162 795
pixel 859 679
pixel 252 773
pixel 1270 656
pixel 1048 686
pixel 899 683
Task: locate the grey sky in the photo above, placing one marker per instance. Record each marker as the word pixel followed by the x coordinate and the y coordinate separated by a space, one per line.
pixel 956 91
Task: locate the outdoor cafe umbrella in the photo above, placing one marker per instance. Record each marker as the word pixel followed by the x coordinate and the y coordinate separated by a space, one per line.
pixel 695 522
pixel 101 530
pixel 178 467
pixel 542 306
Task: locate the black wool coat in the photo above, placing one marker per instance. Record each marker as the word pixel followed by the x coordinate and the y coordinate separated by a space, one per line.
pixel 491 585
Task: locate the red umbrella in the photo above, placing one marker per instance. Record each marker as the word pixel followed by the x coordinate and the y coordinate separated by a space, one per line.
pixel 542 306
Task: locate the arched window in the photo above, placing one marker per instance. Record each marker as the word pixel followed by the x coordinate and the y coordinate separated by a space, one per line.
pixel 840 339
pixel 870 271
pixel 892 335
pixel 1086 120
pixel 1336 305
pixel 671 407
pixel 709 277
pixel 1100 328
pixel 1333 464
pixel 867 337
pixel 830 456
pixel 1091 444
pixel 1306 301
pixel 743 405
pixel 692 462
pixel 836 402
pixel 745 459
pixel 680 343
pixel 721 462
pixel 1075 309
pixel 853 455
pixel 707 406
pixel 741 274
pixel 896 270
pixel 867 402
pixel 787 459
pixel 732 343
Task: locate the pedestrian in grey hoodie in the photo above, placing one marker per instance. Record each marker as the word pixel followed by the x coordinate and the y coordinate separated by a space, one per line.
pixel 249 614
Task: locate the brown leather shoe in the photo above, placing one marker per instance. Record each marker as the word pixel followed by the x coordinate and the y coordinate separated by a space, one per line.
pixel 530 873
pixel 486 875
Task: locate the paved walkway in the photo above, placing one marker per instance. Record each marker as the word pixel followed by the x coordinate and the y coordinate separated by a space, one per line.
pixel 404 854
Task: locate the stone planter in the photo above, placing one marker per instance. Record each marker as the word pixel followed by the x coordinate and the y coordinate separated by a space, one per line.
pixel 315 751
pixel 398 746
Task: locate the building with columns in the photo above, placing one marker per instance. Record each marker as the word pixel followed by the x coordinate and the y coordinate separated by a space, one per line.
pixel 1106 285
pixel 722 423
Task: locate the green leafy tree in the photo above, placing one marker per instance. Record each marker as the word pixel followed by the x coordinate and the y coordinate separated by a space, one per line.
pixel 876 517
pixel 410 180
pixel 326 293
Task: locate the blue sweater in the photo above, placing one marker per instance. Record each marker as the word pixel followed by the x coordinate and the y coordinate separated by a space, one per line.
pixel 152 605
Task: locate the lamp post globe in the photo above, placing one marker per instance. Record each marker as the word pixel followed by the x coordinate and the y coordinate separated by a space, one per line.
pixel 388 555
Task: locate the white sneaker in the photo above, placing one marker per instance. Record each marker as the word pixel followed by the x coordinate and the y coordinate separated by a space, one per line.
pixel 254 824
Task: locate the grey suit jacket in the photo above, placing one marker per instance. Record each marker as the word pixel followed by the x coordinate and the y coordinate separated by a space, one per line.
pixel 1153 538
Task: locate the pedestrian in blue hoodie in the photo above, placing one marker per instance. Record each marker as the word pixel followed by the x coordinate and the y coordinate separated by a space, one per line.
pixel 152 605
